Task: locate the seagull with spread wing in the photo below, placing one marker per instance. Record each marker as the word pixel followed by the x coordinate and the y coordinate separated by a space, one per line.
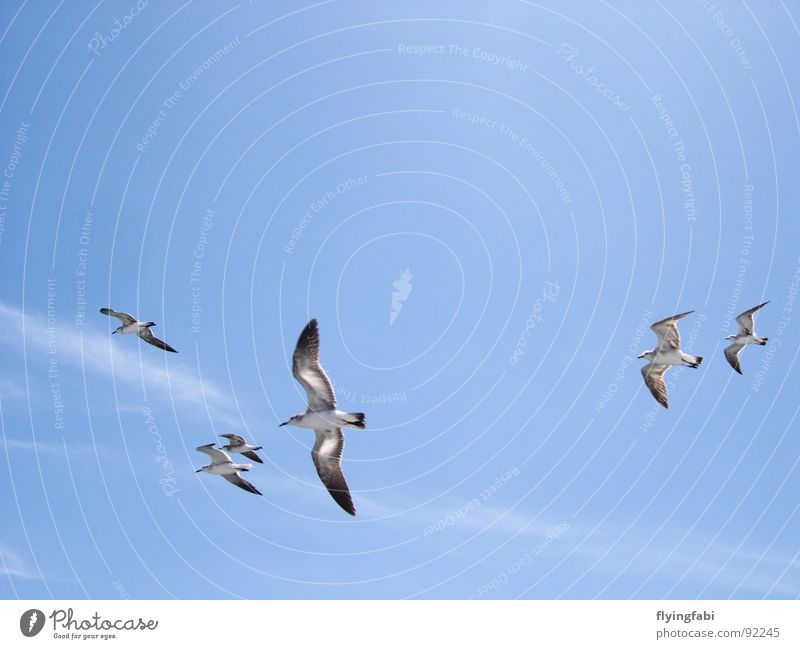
pixel 323 417
pixel 666 354
pixel 131 325
pixel 238 445
pixel 222 464
pixel 746 336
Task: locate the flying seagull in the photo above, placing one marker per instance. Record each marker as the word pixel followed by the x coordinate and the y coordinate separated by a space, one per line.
pixel 746 336
pixel 131 325
pixel 667 353
pixel 323 417
pixel 221 464
pixel 238 445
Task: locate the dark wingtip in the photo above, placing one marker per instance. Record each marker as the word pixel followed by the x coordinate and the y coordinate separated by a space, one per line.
pixel 310 332
pixel 360 421
pixel 250 488
pixel 343 499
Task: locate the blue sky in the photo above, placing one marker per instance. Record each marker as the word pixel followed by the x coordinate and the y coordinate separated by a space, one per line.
pixel 552 176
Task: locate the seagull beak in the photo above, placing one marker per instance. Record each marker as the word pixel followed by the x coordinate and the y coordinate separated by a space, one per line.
pixel 113 332
pixel 640 356
pixel 198 470
pixel 284 423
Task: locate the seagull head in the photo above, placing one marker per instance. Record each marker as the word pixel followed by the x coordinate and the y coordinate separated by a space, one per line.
pixel 648 355
pixel 292 420
pixel 731 337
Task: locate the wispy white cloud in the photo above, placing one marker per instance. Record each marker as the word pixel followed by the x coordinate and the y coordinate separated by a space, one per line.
pixel 634 559
pixel 10 391
pixel 492 520
pixel 47 448
pixel 473 517
pixel 499 520
pixel 95 352
pixel 694 564
pixel 12 564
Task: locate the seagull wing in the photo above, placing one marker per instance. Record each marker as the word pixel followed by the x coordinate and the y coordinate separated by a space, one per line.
pixel 126 318
pixel 252 455
pixel 309 373
pixel 654 379
pixel 147 335
pixel 236 440
pixel 327 456
pixel 732 355
pixel 667 332
pixel 747 318
pixel 217 455
pixel 239 481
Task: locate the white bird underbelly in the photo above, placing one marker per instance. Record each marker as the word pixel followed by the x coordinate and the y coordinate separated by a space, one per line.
pixel 325 420
pixel 227 469
pixel 674 357
pixel 242 448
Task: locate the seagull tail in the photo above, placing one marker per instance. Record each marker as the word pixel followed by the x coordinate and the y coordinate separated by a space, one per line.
pixel 764 340
pixel 356 419
pixel 698 360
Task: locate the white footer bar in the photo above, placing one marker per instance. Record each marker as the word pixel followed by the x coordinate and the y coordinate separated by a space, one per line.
pixel 388 624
